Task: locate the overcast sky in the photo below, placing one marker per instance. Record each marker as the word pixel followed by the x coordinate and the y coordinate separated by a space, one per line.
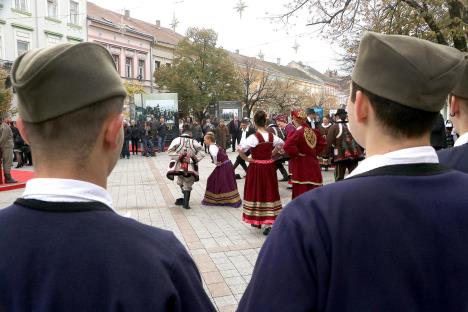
pixel 250 34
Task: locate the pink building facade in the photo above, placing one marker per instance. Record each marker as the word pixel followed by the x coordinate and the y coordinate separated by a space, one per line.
pixel 130 48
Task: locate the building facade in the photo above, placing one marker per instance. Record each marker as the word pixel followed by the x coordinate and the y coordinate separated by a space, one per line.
pixel 139 48
pixel 31 24
pixel 130 48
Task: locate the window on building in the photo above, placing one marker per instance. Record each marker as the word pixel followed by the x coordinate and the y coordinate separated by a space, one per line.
pixel 52 8
pixel 74 13
pixel 53 40
pixel 168 64
pixel 23 42
pixel 129 67
pixel 22 47
pixel 21 5
pixel 157 64
pixel 116 58
pixel 141 69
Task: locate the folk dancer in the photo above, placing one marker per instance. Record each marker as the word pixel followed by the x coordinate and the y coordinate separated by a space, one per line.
pixel 342 148
pixel 324 127
pixel 303 147
pixel 221 187
pixel 262 202
pixel 392 236
pixel 280 159
pixel 185 152
pixel 245 131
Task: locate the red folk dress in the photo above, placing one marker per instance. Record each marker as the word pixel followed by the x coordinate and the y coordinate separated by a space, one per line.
pixel 303 147
pixel 262 203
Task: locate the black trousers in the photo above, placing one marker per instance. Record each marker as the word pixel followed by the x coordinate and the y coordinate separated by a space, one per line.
pixel 341 166
pixel 134 146
pixel 233 142
pixel 241 162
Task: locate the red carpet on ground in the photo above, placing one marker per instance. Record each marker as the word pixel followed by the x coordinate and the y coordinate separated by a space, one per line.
pixel 22 176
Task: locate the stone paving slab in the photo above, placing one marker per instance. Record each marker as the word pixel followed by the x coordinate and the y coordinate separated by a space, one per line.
pixel 223 247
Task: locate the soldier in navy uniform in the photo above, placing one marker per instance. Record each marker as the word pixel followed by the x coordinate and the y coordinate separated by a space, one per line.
pixel 393 236
pixel 63 246
pixel 457 157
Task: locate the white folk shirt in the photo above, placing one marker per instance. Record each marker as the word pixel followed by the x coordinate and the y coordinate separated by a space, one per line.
pixel 413 155
pixel 244 135
pixel 214 150
pixel 463 139
pixel 252 141
pixel 66 190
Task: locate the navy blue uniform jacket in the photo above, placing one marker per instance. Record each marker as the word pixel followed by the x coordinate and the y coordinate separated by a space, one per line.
pixel 85 257
pixel 455 157
pixel 394 240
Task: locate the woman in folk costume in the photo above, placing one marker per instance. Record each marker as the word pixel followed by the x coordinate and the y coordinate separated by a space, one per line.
pixel 303 147
pixel 262 202
pixel 221 187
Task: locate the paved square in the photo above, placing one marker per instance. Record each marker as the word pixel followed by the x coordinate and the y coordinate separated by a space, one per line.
pixel 224 248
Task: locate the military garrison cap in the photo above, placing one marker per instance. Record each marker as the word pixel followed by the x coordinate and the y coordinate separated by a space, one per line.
pixel 461 89
pixel 410 71
pixel 61 79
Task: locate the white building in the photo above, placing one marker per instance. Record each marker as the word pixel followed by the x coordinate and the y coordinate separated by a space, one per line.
pixel 31 24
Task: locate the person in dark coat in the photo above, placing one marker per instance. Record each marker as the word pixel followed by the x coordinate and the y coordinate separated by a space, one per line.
pixel 457 157
pixel 438 136
pixel 135 136
pixel 71 250
pixel 127 137
pixel 162 133
pixel 197 132
pixel 234 128
pixel 393 235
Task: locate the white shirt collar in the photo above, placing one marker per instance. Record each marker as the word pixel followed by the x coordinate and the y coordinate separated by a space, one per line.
pixel 463 139
pixel 413 155
pixel 66 190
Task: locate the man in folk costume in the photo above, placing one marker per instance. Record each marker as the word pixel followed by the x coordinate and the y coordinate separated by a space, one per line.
pixel 342 147
pixel 185 152
pixel 303 147
pixel 280 159
pixel 324 127
pixel 393 235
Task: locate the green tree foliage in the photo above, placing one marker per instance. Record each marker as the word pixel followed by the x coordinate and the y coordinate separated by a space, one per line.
pixel 5 95
pixel 202 73
pixel 441 21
